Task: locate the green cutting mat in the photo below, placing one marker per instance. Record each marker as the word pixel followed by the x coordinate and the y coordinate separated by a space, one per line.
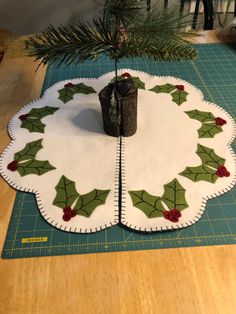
pixel 30 235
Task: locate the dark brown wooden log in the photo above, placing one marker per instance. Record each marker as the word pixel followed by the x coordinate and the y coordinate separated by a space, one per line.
pixel 129 112
pixel 110 128
pixel 127 95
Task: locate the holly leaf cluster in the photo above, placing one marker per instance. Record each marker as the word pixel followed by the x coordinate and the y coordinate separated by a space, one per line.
pixel 83 205
pixel 153 206
pixel 67 93
pixel 209 169
pixel 25 163
pixel 177 92
pixel 32 120
pixel 210 125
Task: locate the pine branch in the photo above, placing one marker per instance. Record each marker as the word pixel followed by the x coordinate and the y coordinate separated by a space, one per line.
pixel 125 10
pixel 159 24
pixel 159 51
pixel 157 35
pixel 72 43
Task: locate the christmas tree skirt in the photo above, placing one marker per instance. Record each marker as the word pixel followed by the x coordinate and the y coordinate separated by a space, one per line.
pixel 179 157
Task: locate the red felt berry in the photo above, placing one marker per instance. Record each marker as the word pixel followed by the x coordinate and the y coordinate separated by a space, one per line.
pixel 126 75
pixel 67 216
pixel 219 174
pixel 180 87
pixel 176 212
pixel 173 218
pixel 66 209
pixel 222 172
pixel 166 214
pixel 12 166
pixel 69 85
pixel 23 117
pixel 73 213
pixel 172 215
pixel 219 121
pixel 68 213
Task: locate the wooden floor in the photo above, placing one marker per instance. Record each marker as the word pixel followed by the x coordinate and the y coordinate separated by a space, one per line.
pixel 188 280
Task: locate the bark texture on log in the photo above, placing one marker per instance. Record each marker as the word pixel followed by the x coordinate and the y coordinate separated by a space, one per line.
pixel 128 110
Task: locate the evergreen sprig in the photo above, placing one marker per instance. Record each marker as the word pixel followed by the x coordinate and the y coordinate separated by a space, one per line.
pixel 168 25
pixel 72 43
pixel 162 50
pixel 124 10
pixel 158 34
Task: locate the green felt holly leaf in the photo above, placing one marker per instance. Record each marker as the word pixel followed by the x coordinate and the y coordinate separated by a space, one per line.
pixel 138 83
pixel 209 157
pixel 174 195
pixel 33 125
pixel 200 173
pixel 209 130
pixel 179 96
pixel 27 164
pixel 66 193
pixel 86 203
pixel 38 167
pixel 151 205
pixel 41 112
pixel 29 151
pixel 83 89
pixel 33 121
pixel 66 94
pixel 166 88
pixel 201 116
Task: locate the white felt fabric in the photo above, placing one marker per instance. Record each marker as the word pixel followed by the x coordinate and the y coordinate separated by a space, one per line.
pixel 74 142
pixel 165 143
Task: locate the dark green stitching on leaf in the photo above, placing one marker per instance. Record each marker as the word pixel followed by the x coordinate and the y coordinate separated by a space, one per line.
pixel 152 205
pixel 26 162
pixel 84 204
pixel 209 128
pixel 67 93
pixel 33 120
pixel 178 96
pixel 29 151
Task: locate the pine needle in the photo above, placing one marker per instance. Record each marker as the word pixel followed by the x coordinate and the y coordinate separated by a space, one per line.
pixel 158 34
